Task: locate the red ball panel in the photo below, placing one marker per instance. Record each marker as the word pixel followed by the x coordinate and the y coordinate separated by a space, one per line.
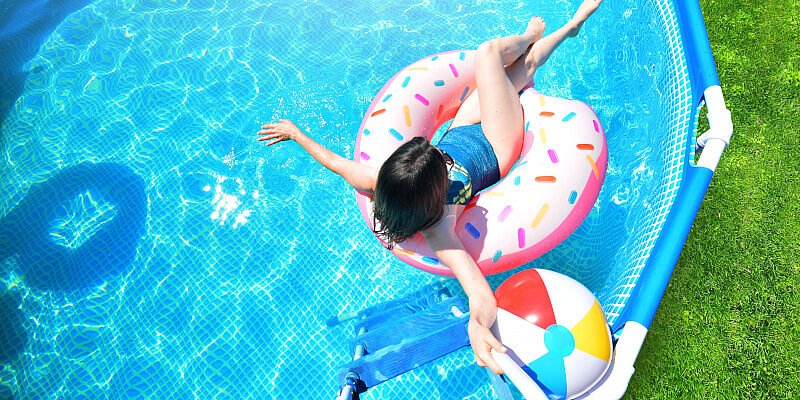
pixel 525 295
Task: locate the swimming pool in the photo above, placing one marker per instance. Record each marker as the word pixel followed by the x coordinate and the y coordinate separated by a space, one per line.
pixel 243 252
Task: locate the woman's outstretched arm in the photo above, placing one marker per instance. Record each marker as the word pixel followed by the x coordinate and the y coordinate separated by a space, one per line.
pixel 482 304
pixel 359 176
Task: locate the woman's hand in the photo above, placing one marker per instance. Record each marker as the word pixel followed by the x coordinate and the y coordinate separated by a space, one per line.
pixel 483 312
pixel 275 133
pixel 360 176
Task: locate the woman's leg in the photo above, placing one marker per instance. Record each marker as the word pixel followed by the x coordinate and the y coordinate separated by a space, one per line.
pixel 469 112
pixel 519 73
pixel 498 104
pixel 541 50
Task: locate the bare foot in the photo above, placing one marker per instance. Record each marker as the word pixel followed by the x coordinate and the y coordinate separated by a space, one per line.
pixel 587 8
pixel 535 28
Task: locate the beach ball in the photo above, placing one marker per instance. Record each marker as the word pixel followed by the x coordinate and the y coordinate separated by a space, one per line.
pixel 554 329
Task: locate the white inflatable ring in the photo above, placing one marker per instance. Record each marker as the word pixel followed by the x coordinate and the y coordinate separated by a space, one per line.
pixel 538 204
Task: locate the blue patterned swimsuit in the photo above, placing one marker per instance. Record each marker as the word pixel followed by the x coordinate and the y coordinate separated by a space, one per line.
pixel 475 165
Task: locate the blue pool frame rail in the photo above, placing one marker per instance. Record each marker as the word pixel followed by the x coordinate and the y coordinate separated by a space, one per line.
pixel 662 261
pixel 700 60
pixel 641 308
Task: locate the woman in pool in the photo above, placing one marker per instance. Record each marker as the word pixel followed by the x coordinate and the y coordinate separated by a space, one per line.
pixel 415 190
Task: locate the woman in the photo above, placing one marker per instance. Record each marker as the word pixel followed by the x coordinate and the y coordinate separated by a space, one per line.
pixel 423 188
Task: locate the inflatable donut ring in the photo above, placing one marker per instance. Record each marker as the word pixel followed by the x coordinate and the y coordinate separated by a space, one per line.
pixel 538 204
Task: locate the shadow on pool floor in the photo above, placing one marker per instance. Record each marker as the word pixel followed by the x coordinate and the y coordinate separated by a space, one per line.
pixel 24 26
pixel 46 265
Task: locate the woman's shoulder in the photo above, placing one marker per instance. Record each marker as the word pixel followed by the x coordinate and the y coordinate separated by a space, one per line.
pixel 442 235
pixel 360 176
pixel 447 224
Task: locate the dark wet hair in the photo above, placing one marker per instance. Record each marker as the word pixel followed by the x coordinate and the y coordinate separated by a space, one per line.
pixel 410 191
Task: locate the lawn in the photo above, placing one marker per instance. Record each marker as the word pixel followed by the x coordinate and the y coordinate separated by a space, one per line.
pixel 728 325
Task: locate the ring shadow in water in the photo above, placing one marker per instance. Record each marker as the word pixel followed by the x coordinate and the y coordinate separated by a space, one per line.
pixel 46 265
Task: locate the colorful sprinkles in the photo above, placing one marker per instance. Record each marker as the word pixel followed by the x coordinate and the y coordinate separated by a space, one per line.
pixel 473 231
pixel 521 238
pixel 497 255
pixel 403 252
pixel 454 70
pixel 407 115
pixel 504 214
pixel 568 117
pixel 430 260
pixel 422 100
pixel 397 135
pixel 540 215
pixel 594 167
pixel 553 156
pixel 464 94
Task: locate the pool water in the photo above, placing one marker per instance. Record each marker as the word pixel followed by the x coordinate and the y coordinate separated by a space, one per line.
pixel 245 251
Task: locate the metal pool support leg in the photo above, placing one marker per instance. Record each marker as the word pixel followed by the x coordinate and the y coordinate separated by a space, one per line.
pixel 353 385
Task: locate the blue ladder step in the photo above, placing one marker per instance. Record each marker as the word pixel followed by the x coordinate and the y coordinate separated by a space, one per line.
pixel 408 308
pixel 411 327
pixel 428 294
pixel 397 348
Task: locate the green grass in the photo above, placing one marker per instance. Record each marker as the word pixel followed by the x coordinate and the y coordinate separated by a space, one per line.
pixel 728 326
